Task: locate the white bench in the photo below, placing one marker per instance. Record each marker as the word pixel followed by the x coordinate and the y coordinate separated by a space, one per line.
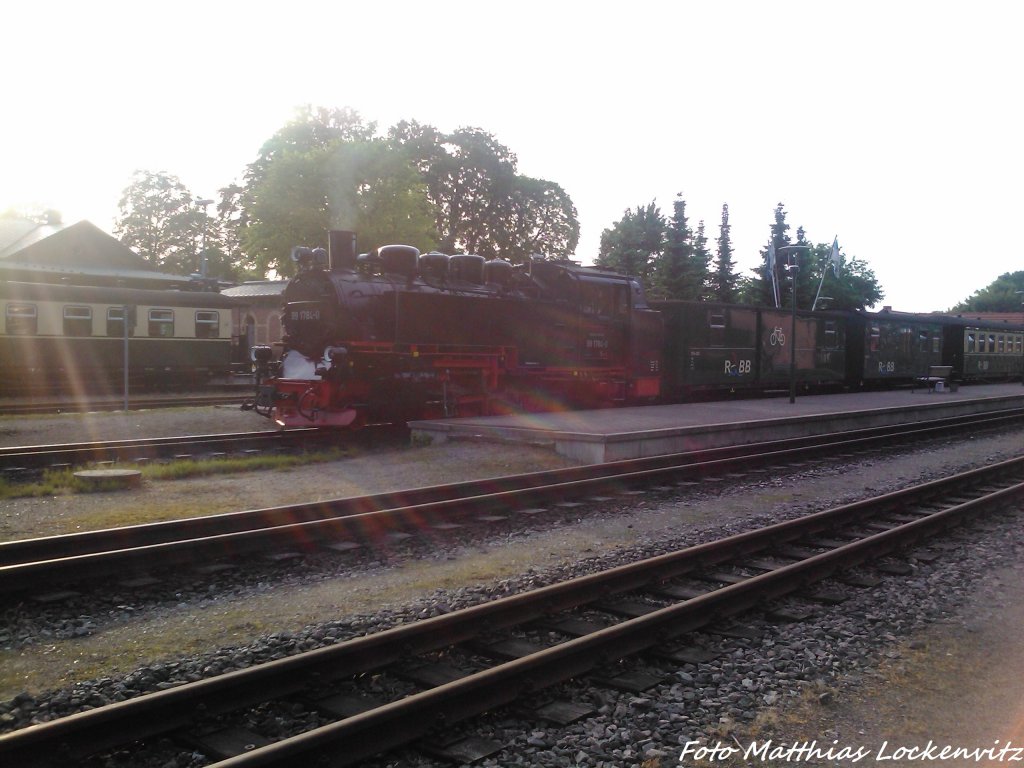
pixel 936 380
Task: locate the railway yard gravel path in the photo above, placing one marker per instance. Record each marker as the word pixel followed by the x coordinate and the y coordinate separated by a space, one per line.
pixel 935 656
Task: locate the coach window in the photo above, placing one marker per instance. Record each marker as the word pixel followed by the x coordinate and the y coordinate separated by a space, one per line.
pixel 906 340
pixel 875 339
pixel 21 320
pixel 161 323
pixel 922 340
pixel 1001 343
pixel 207 324
pixel 716 322
pixel 969 341
pixel 115 323
pixel 831 335
pixel 991 342
pixel 78 321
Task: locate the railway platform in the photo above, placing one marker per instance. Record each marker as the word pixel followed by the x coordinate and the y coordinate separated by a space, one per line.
pixel 614 434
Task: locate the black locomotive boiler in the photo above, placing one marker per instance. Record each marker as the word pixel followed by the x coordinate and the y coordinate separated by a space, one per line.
pixel 396 334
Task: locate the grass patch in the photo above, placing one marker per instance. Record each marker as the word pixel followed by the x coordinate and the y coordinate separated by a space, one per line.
pixel 63 481
pixel 52 483
pixel 181 470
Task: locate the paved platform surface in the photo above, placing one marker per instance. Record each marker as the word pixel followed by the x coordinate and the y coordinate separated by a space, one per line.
pixel 624 433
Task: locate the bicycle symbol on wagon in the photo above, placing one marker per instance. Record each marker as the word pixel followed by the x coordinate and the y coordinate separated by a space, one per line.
pixel 778 338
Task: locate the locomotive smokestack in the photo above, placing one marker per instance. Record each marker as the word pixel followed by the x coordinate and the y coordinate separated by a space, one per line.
pixel 341 246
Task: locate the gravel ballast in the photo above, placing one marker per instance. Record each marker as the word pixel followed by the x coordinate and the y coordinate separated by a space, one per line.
pixel 132 643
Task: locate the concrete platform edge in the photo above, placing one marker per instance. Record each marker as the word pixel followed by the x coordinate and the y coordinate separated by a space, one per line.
pixel 594 448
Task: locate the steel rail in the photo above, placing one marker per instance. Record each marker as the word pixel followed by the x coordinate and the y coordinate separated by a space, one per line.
pixel 30 563
pixel 399 722
pixel 135 403
pixel 42 456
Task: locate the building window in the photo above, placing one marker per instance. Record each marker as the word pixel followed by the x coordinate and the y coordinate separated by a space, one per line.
pixel 21 320
pixel 78 321
pixel 207 324
pixel 161 323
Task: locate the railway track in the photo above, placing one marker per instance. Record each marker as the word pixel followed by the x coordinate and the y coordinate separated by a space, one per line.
pixel 458 665
pixel 21 407
pixel 351 523
pixel 35 457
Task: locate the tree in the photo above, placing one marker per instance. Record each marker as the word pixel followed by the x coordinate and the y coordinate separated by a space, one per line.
pixel 282 200
pixel 850 285
pixel 458 191
pixel 324 170
pixel 854 287
pixel 760 289
pixel 159 219
pixel 674 274
pixel 538 218
pixel 724 280
pixel 311 129
pixel 701 263
pixel 482 204
pixel 1004 294
pixel 374 190
pixel 468 173
pixel 288 207
pixel 632 244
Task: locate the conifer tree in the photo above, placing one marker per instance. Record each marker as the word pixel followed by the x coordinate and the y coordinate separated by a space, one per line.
pixel 673 278
pixel 701 264
pixel 724 280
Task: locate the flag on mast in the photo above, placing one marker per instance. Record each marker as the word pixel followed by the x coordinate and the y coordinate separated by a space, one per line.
pixel 771 271
pixel 834 259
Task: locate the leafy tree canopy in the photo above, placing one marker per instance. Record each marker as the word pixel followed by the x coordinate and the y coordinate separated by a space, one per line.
pixel 1004 294
pixel 482 205
pixel 633 243
pixel 328 169
pixel 164 222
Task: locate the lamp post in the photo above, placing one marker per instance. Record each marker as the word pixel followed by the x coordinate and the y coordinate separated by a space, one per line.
pixel 202 255
pixel 1021 294
pixel 789 254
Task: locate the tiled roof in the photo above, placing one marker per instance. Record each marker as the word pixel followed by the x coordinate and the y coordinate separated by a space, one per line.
pixel 16 234
pixel 257 288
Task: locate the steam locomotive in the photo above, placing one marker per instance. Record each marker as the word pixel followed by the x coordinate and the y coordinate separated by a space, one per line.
pixel 396 334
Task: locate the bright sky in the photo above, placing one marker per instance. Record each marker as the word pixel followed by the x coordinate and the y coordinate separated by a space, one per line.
pixel 895 125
